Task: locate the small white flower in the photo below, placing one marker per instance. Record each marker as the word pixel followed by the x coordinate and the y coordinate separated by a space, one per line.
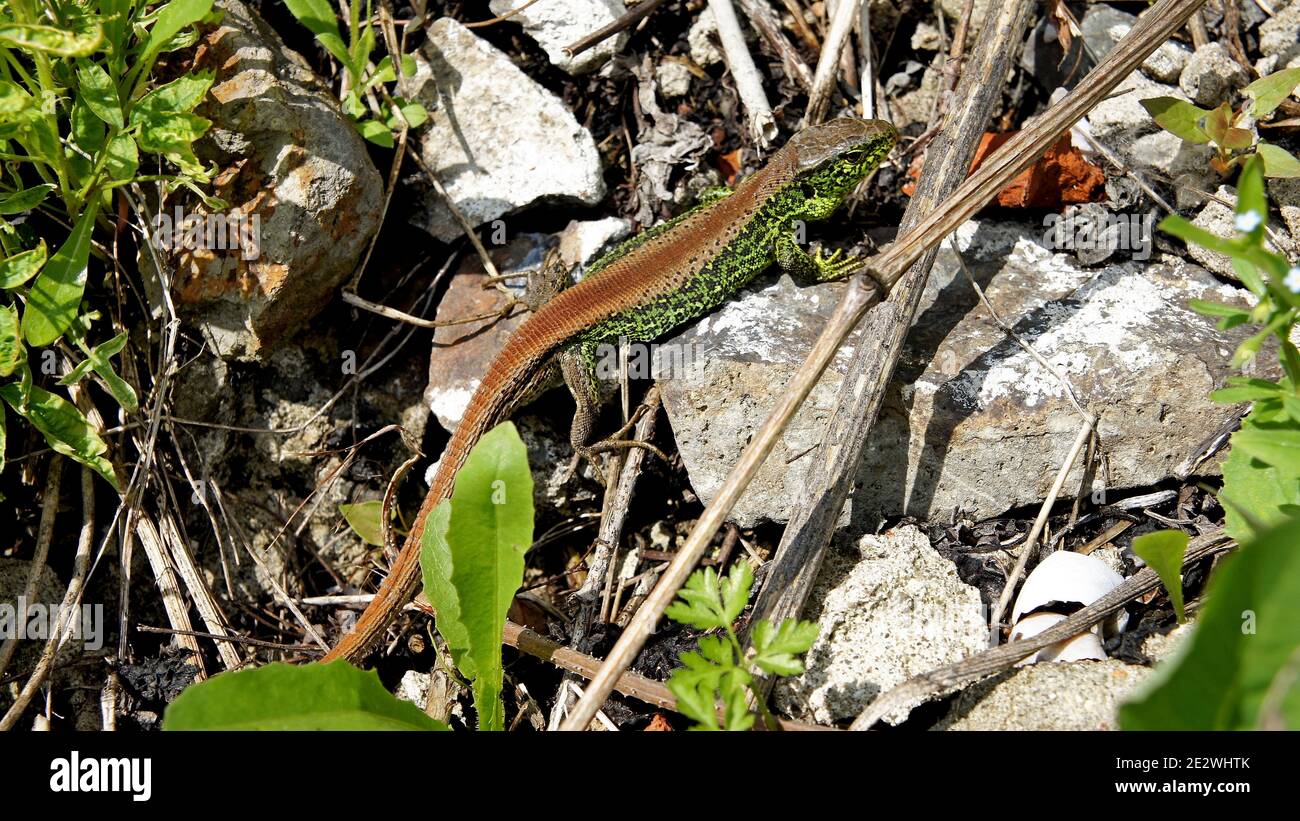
pixel 1292 280
pixel 1248 221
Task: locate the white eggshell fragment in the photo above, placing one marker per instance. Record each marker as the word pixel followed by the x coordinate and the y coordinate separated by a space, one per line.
pixel 1084 646
pixel 1067 578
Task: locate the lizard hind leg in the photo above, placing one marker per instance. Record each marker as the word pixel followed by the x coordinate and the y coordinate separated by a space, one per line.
pixel 576 366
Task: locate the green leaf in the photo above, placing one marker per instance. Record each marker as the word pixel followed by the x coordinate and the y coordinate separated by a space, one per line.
pixel 490 528
pixel 180 95
pixel 1278 162
pixel 1206 308
pixel 99 94
pixel 366 520
pixel 1178 117
pixel 1238 669
pixel 435 565
pixel 414 114
pixel 1217 123
pixel 1246 390
pixel 1163 551
pixel 11 345
pixel 1252 200
pixel 1187 232
pixel 16 105
pixel 97 359
pixel 78 42
pixel 172 133
pixel 17 269
pixel 174 16
pixel 318 17
pixel 1256 491
pixel 776 650
pixel 334 696
pixel 25 200
pixel 1267 93
pixel 707 603
pixel 55 295
pixel 123 158
pixel 62 425
pixel 1276 445
pixel 376 132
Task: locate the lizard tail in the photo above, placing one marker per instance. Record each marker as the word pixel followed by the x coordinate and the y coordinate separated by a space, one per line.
pixel 510 380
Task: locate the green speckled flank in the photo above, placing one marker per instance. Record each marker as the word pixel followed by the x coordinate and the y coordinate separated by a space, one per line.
pixel 812 196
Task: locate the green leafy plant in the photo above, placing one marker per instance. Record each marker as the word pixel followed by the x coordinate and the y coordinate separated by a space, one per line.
pixel 334 696
pixel 1261 476
pixel 1240 668
pixel 76 113
pixel 1163 551
pixel 472 557
pixel 1233 132
pixel 364 85
pixel 721 670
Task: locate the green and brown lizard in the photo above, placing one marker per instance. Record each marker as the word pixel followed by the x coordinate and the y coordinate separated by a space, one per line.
pixel 667 276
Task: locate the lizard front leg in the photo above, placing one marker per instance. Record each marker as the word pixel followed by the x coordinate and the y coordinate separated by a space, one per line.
pixel 807 267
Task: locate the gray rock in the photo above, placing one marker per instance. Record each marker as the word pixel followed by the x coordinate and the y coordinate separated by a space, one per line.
pixel 1211 75
pixel 674 79
pixel 497 139
pixel 1075 695
pixel 1285 194
pixel 971 422
pixel 702 37
pixel 1217 218
pixel 1120 119
pixel 1104 26
pixel 1172 158
pixel 890 610
pixel 1279 37
pixel 295 169
pixel 557 23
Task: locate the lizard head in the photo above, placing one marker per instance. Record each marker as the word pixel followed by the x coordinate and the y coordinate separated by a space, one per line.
pixel 831 159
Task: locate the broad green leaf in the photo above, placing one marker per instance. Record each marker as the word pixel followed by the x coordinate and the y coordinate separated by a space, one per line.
pixel 366 520
pixel 99 94
pixel 55 294
pixel 172 133
pixel 376 132
pixel 435 566
pixel 15 103
pixel 776 650
pixel 1253 490
pixel 1246 390
pixel 1267 93
pixel 11 343
pixel 25 200
pixel 62 425
pixel 51 40
pixel 490 528
pixel 1238 669
pixel 414 114
pixel 17 269
pixel 334 696
pixel 1163 551
pixel 180 95
pixel 1178 117
pixel 1252 200
pixel 1278 162
pixel 1217 123
pixel 175 15
pixel 1276 445
pixel 123 158
pixel 318 17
